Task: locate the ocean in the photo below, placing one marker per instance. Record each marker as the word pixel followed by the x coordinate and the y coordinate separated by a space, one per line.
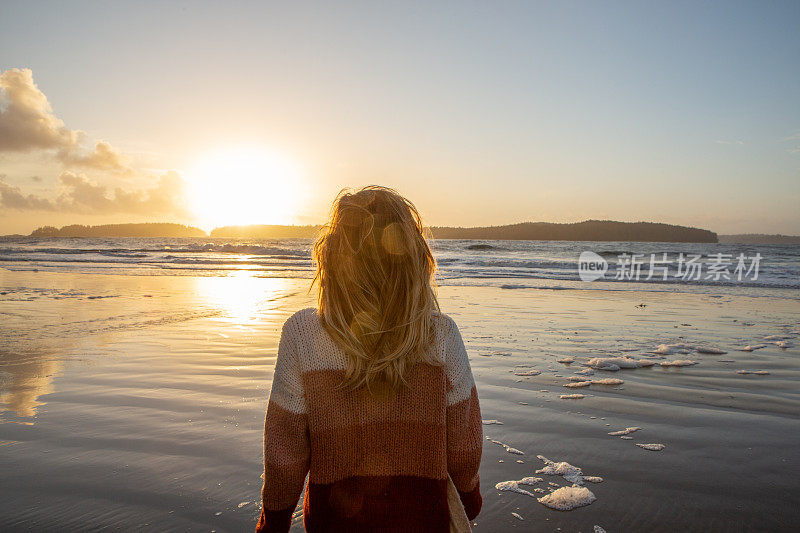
pixel 505 264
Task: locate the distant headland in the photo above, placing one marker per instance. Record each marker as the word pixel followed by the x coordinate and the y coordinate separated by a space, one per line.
pixel 121 230
pixel 590 230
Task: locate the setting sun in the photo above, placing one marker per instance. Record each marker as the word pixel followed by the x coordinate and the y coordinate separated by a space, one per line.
pixel 243 186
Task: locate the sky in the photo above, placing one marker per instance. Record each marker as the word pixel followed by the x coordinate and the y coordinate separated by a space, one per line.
pixel 482 113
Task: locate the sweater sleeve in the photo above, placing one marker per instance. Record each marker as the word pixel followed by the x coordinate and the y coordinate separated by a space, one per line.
pixel 286 443
pixel 464 429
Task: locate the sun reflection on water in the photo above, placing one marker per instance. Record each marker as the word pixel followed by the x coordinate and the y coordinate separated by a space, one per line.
pixel 242 297
pixel 25 378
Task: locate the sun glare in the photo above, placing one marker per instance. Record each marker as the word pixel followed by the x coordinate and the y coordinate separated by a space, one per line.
pixel 243 186
pixel 242 297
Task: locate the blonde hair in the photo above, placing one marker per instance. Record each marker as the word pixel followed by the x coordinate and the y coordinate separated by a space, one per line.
pixel 376 292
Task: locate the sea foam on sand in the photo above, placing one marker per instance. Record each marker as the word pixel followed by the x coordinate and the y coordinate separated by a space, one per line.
pixel 652 447
pixel 612 364
pixel 607 381
pixel 571 473
pixel 685 348
pixel 625 431
pixel 508 448
pixel 568 498
pixel 678 347
pixel 526 372
pixel 753 347
pixel 572 396
pixel 577 384
pixel 514 485
pixel 678 362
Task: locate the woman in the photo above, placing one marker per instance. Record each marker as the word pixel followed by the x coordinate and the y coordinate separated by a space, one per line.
pixel 373 394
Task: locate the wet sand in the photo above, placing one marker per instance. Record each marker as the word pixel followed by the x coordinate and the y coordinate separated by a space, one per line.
pixel 138 402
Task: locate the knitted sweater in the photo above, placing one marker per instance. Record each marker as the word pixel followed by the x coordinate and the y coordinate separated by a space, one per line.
pixel 373 465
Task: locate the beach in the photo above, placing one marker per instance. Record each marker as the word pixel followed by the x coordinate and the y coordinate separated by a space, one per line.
pixel 609 196
pixel 137 402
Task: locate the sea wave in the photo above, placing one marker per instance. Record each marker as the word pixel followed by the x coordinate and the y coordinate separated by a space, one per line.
pixel 479 262
pixel 225 248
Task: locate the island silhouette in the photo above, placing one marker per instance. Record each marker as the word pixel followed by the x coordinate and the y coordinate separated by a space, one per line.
pixel 121 230
pixel 589 230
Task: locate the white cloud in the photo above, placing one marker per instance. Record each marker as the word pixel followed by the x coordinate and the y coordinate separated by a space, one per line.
pixel 27 121
pixel 27 124
pixel 80 195
pixel 103 157
pixel 12 198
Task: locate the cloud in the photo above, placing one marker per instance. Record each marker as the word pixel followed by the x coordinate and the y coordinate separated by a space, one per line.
pixel 103 157
pixel 27 124
pixel 81 195
pixel 12 198
pixel 729 142
pixel 27 121
pixel 167 197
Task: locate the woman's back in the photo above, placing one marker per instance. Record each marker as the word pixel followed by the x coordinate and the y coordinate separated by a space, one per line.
pixel 373 395
pixel 375 463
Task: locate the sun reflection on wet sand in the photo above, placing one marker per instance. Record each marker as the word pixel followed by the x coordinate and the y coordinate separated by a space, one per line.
pixel 243 297
pixel 24 379
pixel 41 334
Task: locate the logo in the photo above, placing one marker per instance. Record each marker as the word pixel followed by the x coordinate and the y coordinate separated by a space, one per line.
pixel 591 266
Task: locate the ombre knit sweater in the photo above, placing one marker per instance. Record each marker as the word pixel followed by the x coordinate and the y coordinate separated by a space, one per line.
pixel 372 465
